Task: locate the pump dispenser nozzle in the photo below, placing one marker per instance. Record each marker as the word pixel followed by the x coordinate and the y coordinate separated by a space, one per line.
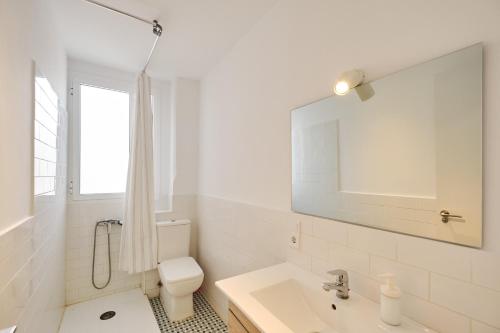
pixel 389 288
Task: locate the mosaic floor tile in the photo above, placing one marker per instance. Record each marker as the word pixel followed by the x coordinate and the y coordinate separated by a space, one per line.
pixel 205 319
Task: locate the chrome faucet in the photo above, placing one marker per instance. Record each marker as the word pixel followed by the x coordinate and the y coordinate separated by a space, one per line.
pixel 341 283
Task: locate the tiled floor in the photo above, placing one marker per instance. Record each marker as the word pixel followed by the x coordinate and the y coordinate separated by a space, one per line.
pixel 133 314
pixel 205 319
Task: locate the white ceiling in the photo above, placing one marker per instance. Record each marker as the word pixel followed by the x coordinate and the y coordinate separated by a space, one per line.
pixel 197 33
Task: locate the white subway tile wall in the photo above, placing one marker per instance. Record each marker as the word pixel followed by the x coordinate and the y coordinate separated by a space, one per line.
pixel 234 238
pixel 81 218
pixel 32 273
pixel 447 287
pixel 447 259
pixel 411 279
pixel 45 128
pixel 486 270
pixel 477 302
pixel 32 257
pixel 435 316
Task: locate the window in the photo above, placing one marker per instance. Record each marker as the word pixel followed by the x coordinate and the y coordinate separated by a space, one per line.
pixel 45 138
pixel 104 140
pixel 101 108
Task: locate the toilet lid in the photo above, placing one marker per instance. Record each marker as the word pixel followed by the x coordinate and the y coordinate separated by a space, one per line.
pixel 179 269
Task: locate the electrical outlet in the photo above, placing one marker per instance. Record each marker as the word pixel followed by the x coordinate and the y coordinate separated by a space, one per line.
pixel 294 237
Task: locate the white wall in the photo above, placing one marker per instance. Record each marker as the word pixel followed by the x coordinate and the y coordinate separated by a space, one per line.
pixel 27 33
pixel 32 247
pixel 186 105
pixel 292 57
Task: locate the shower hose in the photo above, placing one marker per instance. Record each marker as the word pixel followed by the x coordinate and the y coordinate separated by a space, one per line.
pixel 108 224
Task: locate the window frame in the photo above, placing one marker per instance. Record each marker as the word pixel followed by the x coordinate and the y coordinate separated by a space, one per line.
pixel 97 81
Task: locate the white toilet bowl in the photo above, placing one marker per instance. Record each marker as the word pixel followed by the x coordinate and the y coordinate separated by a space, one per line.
pixel 180 277
pixel 180 274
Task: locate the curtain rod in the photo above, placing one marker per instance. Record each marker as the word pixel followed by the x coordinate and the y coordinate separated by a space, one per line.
pixel 97 3
pixel 157 28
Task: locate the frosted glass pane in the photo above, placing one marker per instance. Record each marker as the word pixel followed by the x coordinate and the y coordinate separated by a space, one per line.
pixel 104 140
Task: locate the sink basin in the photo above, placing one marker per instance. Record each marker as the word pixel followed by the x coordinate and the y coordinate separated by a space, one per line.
pixel 287 299
pixel 288 303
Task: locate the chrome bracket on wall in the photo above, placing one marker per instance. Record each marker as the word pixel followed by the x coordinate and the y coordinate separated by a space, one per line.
pixel 446 215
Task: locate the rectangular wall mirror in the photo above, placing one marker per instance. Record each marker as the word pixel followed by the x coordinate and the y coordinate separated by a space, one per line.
pixel 402 153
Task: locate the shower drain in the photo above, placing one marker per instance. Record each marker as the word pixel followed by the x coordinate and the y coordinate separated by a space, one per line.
pixel 107 315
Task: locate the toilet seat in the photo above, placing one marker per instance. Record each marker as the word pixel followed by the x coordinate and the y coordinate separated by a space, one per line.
pixel 179 270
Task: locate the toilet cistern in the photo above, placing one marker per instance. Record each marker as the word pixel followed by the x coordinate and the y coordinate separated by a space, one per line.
pixel 341 283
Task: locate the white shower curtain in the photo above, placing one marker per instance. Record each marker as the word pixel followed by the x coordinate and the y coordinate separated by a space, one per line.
pixel 138 246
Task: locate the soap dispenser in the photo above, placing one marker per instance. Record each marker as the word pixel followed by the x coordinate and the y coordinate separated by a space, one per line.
pixel 390 295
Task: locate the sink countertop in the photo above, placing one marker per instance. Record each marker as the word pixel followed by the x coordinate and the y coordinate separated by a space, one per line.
pixel 244 291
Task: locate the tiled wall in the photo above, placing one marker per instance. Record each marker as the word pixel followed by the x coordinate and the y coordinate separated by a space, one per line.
pixel 32 258
pixel 448 288
pixel 32 273
pixel 234 238
pixel 81 218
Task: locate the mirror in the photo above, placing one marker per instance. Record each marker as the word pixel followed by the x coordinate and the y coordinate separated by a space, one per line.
pixel 407 157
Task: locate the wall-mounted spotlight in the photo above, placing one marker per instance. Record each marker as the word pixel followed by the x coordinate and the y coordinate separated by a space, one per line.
pixel 347 81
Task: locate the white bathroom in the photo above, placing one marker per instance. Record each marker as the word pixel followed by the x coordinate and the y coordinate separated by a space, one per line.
pixel 249 166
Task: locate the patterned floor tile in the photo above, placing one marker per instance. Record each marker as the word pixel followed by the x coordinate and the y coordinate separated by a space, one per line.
pixel 205 319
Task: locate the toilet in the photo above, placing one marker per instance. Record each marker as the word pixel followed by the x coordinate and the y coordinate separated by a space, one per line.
pixel 179 273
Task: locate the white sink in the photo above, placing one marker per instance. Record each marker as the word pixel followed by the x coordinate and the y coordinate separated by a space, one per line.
pixel 288 303
pixel 287 299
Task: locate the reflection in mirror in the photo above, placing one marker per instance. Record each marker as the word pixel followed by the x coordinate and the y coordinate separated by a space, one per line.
pixel 397 152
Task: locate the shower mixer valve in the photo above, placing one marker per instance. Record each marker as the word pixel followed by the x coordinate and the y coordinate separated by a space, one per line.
pixel 108 224
pixel 110 221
